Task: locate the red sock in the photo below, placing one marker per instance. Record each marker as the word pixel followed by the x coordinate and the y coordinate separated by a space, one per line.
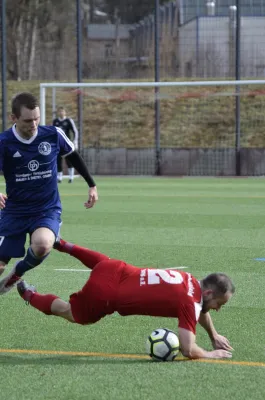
pixel 64 247
pixel 42 302
pixel 88 257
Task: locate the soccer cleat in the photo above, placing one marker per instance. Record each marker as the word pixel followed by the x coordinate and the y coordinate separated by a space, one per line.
pixel 25 290
pixel 7 283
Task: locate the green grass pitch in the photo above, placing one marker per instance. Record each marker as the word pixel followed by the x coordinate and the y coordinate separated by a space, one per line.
pixel 204 224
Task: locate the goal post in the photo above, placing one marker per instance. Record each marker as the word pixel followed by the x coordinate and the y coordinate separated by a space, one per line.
pixel 200 129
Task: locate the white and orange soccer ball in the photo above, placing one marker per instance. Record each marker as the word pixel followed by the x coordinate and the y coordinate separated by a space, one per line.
pixel 162 345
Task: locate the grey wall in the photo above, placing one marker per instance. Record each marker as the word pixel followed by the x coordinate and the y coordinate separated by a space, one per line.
pixel 174 162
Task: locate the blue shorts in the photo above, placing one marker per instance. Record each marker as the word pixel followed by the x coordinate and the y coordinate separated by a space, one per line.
pixel 14 230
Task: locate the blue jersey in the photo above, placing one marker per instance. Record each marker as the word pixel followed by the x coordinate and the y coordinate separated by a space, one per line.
pixel 30 169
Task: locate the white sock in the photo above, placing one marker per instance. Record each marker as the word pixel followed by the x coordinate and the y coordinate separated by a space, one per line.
pixel 71 173
pixel 60 176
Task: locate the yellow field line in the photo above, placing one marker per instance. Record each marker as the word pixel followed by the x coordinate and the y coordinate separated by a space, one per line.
pixel 73 353
pixel 127 356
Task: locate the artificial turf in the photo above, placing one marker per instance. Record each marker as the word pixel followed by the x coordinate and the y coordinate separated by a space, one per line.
pixel 204 224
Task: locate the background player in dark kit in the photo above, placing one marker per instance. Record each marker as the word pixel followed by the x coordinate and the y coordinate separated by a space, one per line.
pixel 69 128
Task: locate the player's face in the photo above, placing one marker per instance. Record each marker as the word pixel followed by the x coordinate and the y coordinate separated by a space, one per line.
pixel 62 113
pixel 212 302
pixel 27 123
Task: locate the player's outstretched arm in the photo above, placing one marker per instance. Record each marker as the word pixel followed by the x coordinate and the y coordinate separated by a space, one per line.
pixel 190 349
pixel 92 197
pixel 79 164
pixel 218 341
pixel 206 322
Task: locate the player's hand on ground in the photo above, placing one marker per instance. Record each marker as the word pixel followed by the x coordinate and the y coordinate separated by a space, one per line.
pixel 3 198
pixel 92 197
pixel 221 342
pixel 219 354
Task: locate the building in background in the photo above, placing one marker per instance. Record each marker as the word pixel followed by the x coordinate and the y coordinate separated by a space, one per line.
pixel 107 45
pixel 197 39
pixel 207 45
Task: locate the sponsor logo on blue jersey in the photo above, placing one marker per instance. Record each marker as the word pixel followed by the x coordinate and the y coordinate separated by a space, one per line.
pixel 30 169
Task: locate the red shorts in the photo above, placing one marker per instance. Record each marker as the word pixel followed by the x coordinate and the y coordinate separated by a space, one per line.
pixel 98 297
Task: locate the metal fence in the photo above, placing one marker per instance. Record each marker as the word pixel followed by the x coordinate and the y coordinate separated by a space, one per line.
pixel 191 39
pixel 197 39
pixel 199 130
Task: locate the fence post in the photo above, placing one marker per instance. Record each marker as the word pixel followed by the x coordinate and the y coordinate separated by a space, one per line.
pixel 157 89
pixel 238 77
pixel 3 63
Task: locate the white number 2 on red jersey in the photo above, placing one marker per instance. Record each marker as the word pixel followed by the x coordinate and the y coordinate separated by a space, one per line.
pixel 154 276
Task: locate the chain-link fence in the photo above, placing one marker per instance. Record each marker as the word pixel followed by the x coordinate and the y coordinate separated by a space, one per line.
pixel 198 129
pixel 197 39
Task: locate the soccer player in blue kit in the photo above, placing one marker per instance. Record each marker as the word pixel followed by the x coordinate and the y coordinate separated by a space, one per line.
pixel 31 205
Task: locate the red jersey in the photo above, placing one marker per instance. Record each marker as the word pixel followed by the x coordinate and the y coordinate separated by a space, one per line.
pixel 129 290
pixel 160 293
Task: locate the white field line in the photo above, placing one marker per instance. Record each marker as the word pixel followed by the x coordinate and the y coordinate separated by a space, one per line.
pixel 72 270
pixel 88 270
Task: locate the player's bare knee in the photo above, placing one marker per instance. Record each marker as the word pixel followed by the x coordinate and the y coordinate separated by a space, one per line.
pixel 42 241
pixel 40 250
pixel 42 246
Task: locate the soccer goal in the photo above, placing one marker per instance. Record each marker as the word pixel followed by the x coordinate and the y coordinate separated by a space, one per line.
pixel 213 128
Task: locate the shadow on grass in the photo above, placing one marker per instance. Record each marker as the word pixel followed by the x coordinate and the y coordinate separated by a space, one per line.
pixel 70 360
pixel 64 360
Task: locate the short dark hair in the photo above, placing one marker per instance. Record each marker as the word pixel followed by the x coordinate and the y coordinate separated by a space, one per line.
pixel 23 99
pixel 220 283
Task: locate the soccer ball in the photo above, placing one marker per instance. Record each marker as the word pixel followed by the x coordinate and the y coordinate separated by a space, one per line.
pixel 162 345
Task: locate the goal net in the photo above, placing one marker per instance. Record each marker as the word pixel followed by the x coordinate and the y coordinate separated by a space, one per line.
pixel 213 128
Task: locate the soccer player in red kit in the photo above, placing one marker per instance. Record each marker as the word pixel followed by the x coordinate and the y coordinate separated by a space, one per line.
pixel 117 286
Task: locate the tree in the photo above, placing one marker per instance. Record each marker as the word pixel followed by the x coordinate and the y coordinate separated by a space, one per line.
pixel 32 26
pixel 21 37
